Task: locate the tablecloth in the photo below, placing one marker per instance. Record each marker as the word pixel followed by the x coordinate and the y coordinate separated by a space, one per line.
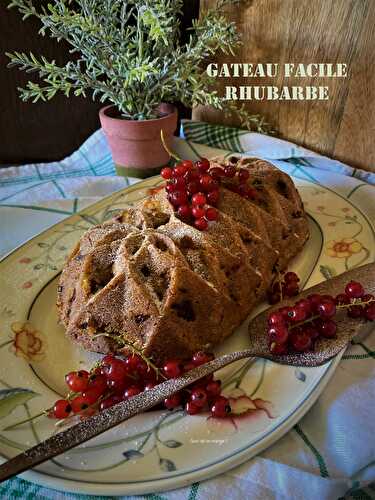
pixel 330 453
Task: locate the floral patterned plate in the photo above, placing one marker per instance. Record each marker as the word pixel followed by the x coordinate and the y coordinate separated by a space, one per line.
pixel 158 450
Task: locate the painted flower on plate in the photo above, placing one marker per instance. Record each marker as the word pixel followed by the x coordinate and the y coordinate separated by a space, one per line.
pixel 28 343
pixel 245 410
pixel 343 248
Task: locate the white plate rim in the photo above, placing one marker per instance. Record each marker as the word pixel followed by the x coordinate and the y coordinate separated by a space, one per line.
pixel 184 478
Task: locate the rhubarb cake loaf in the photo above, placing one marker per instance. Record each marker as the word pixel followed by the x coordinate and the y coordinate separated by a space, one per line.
pixel 171 284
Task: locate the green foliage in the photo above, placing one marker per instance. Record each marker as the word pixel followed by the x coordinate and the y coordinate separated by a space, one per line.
pixel 128 52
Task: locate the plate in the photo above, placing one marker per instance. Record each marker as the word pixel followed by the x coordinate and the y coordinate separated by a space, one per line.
pixel 159 450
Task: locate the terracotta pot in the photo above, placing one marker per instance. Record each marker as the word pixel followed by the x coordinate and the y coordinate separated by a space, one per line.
pixel 136 146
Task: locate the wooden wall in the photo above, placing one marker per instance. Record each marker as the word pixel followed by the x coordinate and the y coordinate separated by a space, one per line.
pixel 44 131
pixel 313 31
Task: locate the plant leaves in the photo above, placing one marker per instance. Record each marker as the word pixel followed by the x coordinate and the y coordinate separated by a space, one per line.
pixel 327 272
pixel 132 454
pixel 171 443
pixel 300 375
pixel 167 465
pixel 11 398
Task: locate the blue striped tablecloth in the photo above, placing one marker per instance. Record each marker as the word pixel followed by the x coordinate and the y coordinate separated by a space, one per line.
pixel 33 197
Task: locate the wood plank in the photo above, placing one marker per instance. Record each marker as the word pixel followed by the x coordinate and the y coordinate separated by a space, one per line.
pixel 302 31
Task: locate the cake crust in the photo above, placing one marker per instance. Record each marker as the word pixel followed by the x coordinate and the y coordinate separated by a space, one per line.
pixel 164 286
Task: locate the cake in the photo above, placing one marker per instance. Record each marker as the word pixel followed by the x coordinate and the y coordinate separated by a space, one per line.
pixel 164 286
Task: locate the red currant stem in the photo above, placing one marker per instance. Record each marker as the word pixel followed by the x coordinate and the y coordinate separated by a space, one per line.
pixel 166 147
pixel 308 320
pixel 356 302
pixel 24 421
pixel 134 350
pixel 280 285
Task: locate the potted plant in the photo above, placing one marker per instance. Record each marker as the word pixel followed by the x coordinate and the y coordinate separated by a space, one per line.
pixel 128 54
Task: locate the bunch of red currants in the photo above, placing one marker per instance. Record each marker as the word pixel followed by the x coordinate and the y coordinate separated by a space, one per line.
pixel 287 285
pixel 296 328
pixel 193 189
pixel 118 379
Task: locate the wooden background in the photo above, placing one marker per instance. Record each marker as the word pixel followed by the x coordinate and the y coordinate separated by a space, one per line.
pixel 312 31
pixel 45 131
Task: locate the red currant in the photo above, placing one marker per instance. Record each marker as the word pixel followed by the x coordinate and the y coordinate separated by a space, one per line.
pixel 211 214
pixel 109 402
pixel 198 211
pixel 354 290
pixel 296 314
pixel 221 407
pixel 131 363
pixel 278 333
pixel 80 403
pixel 275 318
pixel 342 299
pixel 278 349
pixel 172 368
pixel 328 328
pixel 184 211
pixel 170 187
pixel 326 309
pixel 199 199
pixel 117 370
pixel 192 187
pixel 355 312
pixel 192 175
pixel 285 311
pixel 180 183
pixel 301 341
pixel 206 182
pixel 305 305
pixel 166 173
pixel 173 401
pixel 201 224
pixel 203 165
pixel 191 408
pixel 188 164
pixel 179 170
pixel 131 391
pixel 149 386
pixel 213 197
pixel 62 409
pixel 198 397
pixel 216 172
pixel 77 381
pixel 213 388
pixel 370 312
pixel 290 289
pixel 201 357
pixel 368 298
pixel 311 331
pixel 314 300
pixel 178 198
pixel 229 171
pixel 243 175
pixel 291 277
